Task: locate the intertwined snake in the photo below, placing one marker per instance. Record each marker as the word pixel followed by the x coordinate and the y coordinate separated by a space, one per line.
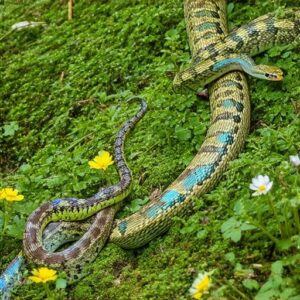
pixel 229 98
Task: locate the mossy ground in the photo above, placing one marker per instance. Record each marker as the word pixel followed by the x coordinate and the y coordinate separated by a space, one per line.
pixel 63 90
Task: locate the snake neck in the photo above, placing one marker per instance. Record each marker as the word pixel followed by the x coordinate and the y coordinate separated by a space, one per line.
pixel 214 60
pixel 203 73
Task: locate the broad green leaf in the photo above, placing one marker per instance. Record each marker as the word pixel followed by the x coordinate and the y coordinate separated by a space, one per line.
pixel 10 129
pixel 60 283
pixel 251 284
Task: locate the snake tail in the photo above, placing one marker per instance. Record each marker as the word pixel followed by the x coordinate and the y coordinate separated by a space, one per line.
pixel 11 276
pixel 95 237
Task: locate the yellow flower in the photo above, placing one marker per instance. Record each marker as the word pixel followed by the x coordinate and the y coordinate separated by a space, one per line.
pixel 200 285
pixel 101 161
pixel 10 194
pixel 42 275
pixel 2 194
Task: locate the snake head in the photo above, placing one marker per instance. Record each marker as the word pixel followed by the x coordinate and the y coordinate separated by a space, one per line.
pixel 268 72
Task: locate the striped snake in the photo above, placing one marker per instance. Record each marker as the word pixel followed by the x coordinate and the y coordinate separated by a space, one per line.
pixel 214 53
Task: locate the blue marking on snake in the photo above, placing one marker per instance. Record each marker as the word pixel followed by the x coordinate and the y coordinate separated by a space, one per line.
pixel 222 150
pixel 205 26
pixel 197 176
pixel 56 202
pixel 230 83
pixel 154 210
pixel 228 61
pixel 123 226
pixel 3 284
pixel 229 103
pixel 225 138
pixel 10 274
pixel 169 199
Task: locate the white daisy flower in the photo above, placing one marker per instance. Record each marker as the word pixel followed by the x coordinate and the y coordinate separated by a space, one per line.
pixel 200 285
pixel 295 160
pixel 261 185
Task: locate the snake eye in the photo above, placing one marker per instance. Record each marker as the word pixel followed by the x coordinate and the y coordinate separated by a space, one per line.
pixel 269 75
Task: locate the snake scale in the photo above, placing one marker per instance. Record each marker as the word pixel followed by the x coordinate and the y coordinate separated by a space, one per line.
pixel 214 53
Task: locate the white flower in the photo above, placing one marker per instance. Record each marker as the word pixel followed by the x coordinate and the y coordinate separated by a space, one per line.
pixel 295 160
pixel 261 185
pixel 200 285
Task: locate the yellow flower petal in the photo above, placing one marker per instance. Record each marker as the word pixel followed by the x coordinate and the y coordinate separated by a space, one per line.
pixel 10 194
pixel 43 275
pixel 200 285
pixel 35 272
pixel 197 295
pixel 35 279
pixel 93 164
pixel 203 284
pixel 101 161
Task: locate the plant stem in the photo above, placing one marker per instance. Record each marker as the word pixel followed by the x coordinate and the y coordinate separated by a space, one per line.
pixel 7 213
pixel 47 290
pixel 296 218
pixel 241 294
pixel 288 228
pixel 5 35
pixel 281 229
pixel 264 230
pixel 70 9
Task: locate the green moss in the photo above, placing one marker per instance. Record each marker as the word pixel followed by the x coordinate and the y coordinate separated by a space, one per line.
pixel 63 90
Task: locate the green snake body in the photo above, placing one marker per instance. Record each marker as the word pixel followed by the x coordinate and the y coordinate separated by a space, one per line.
pixel 230 105
pixel 251 39
pixel 85 249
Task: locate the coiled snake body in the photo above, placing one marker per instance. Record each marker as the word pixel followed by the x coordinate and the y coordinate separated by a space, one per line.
pixel 230 104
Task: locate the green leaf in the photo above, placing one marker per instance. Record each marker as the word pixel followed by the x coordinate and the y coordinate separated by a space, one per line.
pixel 236 235
pixel 266 295
pixel 251 284
pixel 16 229
pixel 136 204
pixel 284 244
pixel 230 8
pixel 172 34
pixel 25 168
pixel 246 226
pixel 230 257
pixel 10 128
pixel 229 224
pixel 202 234
pixel 183 134
pixel 239 207
pixel 277 268
pixel 61 283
